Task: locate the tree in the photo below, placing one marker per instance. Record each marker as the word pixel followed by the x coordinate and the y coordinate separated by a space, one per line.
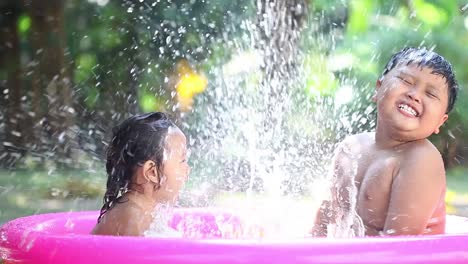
pixel 279 28
pixel 51 81
pixel 11 88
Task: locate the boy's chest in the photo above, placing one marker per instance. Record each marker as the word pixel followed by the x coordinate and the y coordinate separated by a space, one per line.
pixel 374 181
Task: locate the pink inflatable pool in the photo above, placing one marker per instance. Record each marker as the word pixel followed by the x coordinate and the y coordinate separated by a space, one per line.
pixel 64 238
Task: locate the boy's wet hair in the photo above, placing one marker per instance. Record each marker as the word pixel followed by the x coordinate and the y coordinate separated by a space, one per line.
pixel 426 58
pixel 136 140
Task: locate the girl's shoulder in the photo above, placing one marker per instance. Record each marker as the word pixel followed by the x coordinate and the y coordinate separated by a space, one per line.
pixel 124 219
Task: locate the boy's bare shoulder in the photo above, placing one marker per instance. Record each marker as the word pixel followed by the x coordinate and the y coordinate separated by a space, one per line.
pixel 358 142
pixel 421 151
pixel 422 159
pixel 361 138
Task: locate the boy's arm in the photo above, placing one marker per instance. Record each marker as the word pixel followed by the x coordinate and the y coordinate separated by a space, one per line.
pixel 322 220
pixel 416 191
pixel 339 190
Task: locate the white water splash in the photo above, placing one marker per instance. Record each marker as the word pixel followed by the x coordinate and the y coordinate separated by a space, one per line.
pixel 162 215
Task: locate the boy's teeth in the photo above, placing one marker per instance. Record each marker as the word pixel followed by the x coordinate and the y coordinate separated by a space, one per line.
pixel 408 109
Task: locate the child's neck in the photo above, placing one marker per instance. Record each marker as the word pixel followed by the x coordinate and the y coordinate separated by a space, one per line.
pixel 385 140
pixel 145 201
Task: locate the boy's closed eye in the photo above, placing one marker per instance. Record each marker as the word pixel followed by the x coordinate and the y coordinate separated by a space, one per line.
pixel 405 80
pixel 433 93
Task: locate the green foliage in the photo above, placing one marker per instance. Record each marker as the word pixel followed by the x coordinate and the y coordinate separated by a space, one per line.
pixel 430 14
pixel 355 51
pixel 327 5
pixel 458 180
pixel 433 24
pixel 24 24
pixel 84 66
pixel 359 16
pixel 125 49
pixel 320 81
pixel 149 102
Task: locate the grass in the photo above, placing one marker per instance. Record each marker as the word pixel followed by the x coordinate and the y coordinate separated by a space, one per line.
pixel 24 192
pixel 457 191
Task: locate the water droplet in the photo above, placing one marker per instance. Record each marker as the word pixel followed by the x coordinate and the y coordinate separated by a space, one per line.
pixel 3 236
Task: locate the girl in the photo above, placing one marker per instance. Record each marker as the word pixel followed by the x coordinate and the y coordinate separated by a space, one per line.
pixel 146 167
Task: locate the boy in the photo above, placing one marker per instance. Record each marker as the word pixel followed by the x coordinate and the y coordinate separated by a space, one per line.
pixel 397 175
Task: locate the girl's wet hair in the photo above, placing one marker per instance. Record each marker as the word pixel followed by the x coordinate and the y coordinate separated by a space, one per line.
pixel 136 140
pixel 427 58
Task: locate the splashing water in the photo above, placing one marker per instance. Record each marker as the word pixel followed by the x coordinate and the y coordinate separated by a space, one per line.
pixel 162 215
pixel 257 130
pixel 249 118
pixel 348 223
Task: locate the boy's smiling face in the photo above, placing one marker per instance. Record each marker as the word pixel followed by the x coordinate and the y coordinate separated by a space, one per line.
pixel 411 102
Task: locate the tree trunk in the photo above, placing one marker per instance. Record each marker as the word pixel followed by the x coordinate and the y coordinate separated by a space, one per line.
pixel 51 79
pixel 12 91
pixel 279 26
pixel 278 29
pixel 38 78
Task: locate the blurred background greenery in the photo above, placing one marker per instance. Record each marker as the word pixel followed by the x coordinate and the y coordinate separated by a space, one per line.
pixel 72 69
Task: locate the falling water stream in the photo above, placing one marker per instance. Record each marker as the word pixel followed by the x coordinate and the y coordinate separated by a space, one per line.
pixel 256 133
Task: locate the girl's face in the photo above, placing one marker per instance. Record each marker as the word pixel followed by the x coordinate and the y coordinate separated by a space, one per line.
pixel 175 167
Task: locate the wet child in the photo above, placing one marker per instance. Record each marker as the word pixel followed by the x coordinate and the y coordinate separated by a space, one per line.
pixel 146 168
pixel 397 175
